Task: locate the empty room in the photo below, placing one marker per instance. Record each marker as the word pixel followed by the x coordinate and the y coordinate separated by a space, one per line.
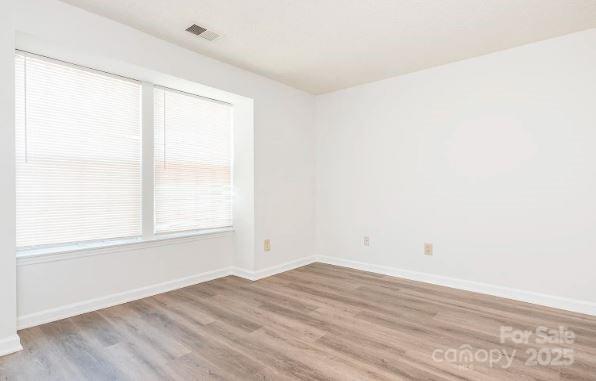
pixel 297 190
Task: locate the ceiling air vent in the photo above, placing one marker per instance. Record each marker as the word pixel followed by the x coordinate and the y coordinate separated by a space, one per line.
pixel 202 32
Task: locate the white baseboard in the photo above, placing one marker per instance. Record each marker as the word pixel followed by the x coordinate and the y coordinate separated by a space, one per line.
pixel 580 306
pixel 74 309
pixel 10 345
pixel 269 271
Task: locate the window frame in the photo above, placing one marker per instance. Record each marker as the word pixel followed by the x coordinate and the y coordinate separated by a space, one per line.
pixel 149 237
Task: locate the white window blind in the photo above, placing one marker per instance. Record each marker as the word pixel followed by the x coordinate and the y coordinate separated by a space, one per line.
pixel 78 154
pixel 193 162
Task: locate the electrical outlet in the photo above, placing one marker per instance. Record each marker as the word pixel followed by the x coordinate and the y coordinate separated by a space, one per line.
pixel 366 241
pixel 267 245
pixel 428 249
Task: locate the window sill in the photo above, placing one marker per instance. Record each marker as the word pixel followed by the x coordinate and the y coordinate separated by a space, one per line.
pixel 74 251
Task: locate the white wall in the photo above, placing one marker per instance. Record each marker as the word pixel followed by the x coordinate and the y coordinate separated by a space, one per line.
pixel 8 340
pixel 491 159
pixel 283 167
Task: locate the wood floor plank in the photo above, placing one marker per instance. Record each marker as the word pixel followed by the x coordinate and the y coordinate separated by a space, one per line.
pixel 317 322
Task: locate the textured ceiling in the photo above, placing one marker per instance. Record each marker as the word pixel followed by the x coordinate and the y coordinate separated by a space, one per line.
pixel 325 45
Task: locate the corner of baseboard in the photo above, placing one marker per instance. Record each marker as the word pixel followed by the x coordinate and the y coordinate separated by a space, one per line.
pixel 272 270
pixel 243 273
pixel 10 344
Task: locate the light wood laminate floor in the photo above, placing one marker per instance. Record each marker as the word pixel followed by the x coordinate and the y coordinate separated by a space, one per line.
pixel 318 322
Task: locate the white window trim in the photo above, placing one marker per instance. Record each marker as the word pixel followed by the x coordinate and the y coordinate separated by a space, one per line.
pixel 85 249
pixel 149 238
